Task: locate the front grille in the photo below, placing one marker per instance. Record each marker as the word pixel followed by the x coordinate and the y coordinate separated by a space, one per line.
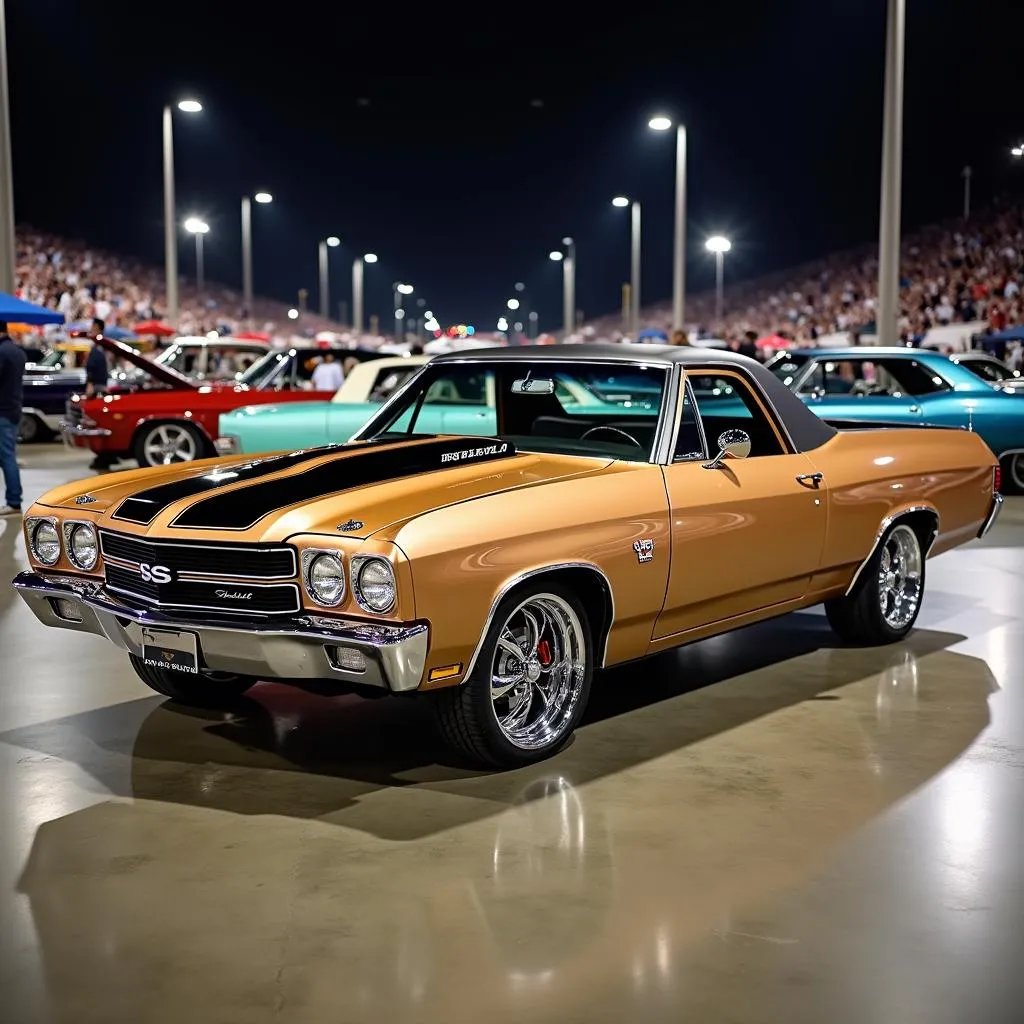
pixel 208 595
pixel 237 561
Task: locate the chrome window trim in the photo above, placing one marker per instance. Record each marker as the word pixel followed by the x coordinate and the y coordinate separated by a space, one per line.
pixel 888 521
pixel 356 563
pixel 514 581
pixel 30 527
pixel 309 556
pixel 687 390
pixel 67 527
pixel 198 546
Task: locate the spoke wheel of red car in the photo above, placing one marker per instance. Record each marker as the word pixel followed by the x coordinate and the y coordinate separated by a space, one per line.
pixel 206 690
pixel 886 600
pixel 167 444
pixel 530 684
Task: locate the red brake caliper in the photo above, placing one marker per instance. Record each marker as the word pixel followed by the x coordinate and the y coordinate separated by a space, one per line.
pixel 544 653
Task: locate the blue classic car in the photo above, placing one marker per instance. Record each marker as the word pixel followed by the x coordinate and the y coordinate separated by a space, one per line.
pixel 908 386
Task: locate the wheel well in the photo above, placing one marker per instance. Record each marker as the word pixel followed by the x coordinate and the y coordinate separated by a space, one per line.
pixel 591 587
pixel 925 523
pixel 178 422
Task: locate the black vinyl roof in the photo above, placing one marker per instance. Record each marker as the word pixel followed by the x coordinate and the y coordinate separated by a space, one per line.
pixel 806 430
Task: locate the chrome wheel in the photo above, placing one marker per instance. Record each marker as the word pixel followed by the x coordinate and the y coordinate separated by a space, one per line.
pixel 537 672
pixel 900 577
pixel 169 443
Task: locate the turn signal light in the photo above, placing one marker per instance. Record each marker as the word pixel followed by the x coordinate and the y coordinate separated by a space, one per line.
pixel 444 672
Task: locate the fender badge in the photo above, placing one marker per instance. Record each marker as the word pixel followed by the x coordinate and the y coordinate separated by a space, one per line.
pixel 352 524
pixel 85 499
pixel 644 549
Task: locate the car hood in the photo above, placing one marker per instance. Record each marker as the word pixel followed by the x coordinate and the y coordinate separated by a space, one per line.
pixel 157 371
pixel 364 487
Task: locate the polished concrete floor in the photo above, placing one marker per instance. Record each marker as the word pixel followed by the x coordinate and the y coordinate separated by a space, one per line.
pixel 759 828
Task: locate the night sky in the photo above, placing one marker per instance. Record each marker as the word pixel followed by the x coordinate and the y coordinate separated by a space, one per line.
pixel 414 132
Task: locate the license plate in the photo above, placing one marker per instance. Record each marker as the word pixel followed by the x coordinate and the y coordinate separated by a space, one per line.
pixel 165 648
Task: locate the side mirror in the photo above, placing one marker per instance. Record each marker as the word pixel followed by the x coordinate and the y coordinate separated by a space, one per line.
pixel 732 444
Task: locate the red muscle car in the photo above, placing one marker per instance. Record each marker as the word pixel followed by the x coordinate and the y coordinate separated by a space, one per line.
pixel 178 423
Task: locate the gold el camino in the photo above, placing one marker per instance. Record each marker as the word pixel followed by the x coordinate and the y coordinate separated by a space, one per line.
pixel 614 501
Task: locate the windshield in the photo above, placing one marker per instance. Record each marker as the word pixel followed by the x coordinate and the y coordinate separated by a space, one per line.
pixel 987 369
pixel 551 407
pixel 786 367
pixel 264 370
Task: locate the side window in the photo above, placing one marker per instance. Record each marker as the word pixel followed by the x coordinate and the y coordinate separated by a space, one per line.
pixel 909 377
pixel 458 388
pixel 739 409
pixel 689 443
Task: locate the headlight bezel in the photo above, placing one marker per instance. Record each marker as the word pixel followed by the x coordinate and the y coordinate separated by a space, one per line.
pixel 310 556
pixel 357 565
pixel 69 528
pixel 32 526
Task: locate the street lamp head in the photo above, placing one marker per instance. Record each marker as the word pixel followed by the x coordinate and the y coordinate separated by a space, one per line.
pixel 502 324
pixel 1017 151
pixel 370 257
pixel 556 255
pixel 333 241
pixel 293 314
pixel 263 197
pixel 718 243
pixel 620 201
pixel 567 240
pixel 660 123
pixel 190 106
pixel 520 287
pixel 196 226
pixel 404 289
pixel 512 303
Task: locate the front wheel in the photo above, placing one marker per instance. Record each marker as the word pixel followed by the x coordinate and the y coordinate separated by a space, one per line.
pixel 30 429
pixel 1013 473
pixel 206 690
pixel 530 685
pixel 886 601
pixel 167 444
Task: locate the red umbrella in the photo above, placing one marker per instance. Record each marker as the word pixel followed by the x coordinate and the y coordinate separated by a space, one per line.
pixel 775 341
pixel 155 329
pixel 253 336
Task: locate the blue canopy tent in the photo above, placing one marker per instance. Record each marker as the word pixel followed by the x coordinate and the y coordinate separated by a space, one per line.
pixel 1010 334
pixel 18 311
pixel 651 333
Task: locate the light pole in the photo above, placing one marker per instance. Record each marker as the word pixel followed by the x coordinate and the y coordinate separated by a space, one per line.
pixel 262 198
pixel 719 245
pixel 568 261
pixel 966 175
pixel 634 262
pixel 892 177
pixel 7 245
pixel 198 227
pixel 512 305
pixel 170 221
pixel 401 290
pixel 332 241
pixel 663 124
pixel 357 289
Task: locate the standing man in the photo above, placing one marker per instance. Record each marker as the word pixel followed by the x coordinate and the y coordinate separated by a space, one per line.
pixel 328 375
pixel 12 369
pixel 97 372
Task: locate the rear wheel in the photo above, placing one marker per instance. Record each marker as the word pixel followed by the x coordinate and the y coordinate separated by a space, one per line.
pixel 1013 473
pixel 530 685
pixel 886 601
pixel 30 429
pixel 166 444
pixel 206 690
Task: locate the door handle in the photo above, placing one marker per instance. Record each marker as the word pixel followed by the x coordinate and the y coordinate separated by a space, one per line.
pixel 915 408
pixel 812 478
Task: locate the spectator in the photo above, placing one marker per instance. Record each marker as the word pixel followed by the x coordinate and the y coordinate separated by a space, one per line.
pixel 328 375
pixel 97 370
pixel 12 369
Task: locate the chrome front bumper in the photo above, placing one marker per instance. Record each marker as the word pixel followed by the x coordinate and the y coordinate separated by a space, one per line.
pixel 997 505
pixel 77 430
pixel 300 647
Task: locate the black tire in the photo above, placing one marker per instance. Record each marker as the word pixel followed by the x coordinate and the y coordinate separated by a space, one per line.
pixel 30 429
pixel 206 690
pixel 197 446
pixel 859 618
pixel 1013 473
pixel 466 715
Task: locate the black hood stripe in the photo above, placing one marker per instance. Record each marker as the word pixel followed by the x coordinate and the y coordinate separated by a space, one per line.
pixel 243 508
pixel 144 507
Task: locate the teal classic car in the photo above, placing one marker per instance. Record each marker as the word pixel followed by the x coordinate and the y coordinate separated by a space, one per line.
pixel 908 386
pixel 471 410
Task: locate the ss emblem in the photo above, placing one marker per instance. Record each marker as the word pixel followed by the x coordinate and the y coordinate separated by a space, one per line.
pixel 156 573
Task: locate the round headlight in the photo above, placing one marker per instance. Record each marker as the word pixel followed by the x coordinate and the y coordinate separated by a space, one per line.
pixel 46 542
pixel 375 585
pixel 325 579
pixel 83 548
